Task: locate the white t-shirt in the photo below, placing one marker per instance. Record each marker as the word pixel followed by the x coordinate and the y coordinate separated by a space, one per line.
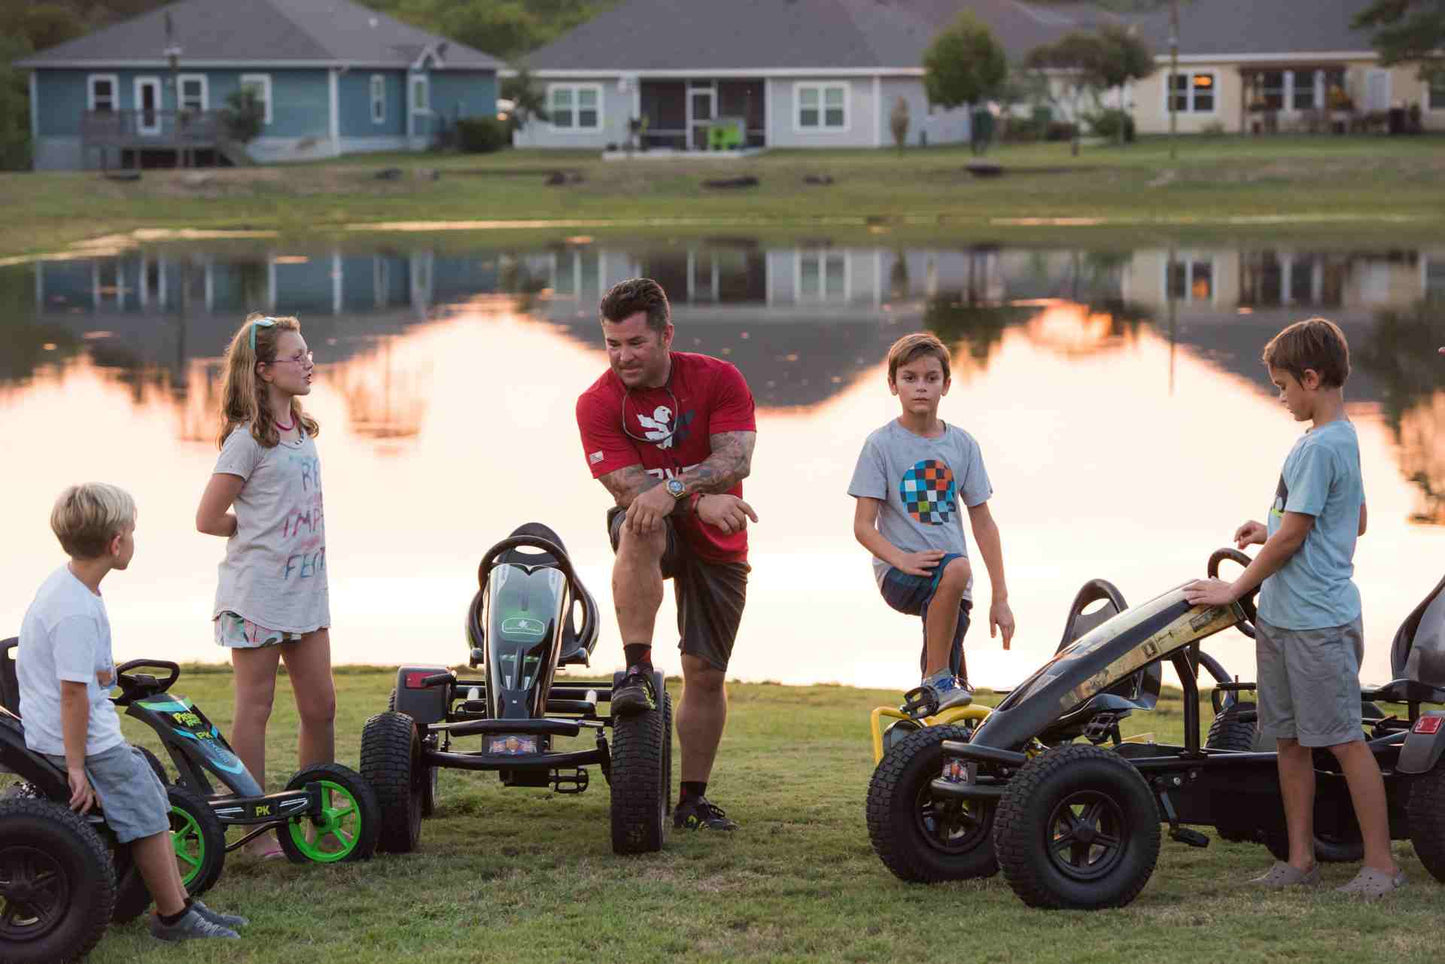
pixel 66 636
pixel 274 573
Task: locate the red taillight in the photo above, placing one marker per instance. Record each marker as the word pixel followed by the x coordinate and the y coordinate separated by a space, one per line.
pixel 1429 725
pixel 414 680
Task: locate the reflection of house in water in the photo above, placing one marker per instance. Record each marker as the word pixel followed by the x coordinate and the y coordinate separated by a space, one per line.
pixel 167 317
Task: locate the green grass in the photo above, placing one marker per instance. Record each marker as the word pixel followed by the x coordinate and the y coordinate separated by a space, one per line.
pixel 525 875
pixel 1221 186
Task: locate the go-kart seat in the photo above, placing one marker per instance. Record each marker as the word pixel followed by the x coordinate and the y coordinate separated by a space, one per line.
pixel 1139 691
pixel 574 649
pixel 9 685
pixel 1417 657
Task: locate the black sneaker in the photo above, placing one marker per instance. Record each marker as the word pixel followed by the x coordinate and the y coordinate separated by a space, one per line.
pixel 635 695
pixel 698 814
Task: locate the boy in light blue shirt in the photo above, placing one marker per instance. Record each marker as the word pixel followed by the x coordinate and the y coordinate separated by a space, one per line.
pixel 1309 635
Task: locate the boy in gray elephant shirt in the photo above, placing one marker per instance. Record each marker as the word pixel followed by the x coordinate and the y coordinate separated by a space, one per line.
pixel 1310 639
pixel 911 479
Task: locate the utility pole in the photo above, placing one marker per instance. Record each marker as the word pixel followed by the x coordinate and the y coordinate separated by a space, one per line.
pixel 1173 78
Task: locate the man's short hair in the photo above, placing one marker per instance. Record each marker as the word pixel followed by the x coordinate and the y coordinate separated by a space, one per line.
pixel 627 298
pixel 1313 343
pixel 87 517
pixel 910 348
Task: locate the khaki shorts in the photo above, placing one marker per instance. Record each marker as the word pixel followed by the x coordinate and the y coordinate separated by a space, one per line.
pixel 1309 683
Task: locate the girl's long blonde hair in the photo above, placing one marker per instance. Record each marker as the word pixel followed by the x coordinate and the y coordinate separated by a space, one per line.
pixel 243 396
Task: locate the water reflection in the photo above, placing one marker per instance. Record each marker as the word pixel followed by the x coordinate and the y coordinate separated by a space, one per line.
pixel 1118 395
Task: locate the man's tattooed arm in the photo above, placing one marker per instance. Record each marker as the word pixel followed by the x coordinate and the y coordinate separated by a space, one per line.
pixel 628 483
pixel 730 462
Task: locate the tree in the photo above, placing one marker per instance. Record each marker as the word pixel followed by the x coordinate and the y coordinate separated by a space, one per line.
pixel 1092 63
pixel 898 123
pixel 243 116
pixel 964 64
pixel 528 100
pixel 1406 31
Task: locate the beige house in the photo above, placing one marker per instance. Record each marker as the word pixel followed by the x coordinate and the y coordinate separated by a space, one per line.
pixel 1261 66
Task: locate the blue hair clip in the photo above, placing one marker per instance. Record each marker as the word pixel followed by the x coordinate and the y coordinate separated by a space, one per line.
pixel 260 323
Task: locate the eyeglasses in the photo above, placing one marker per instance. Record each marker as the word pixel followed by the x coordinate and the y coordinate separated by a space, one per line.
pixel 307 359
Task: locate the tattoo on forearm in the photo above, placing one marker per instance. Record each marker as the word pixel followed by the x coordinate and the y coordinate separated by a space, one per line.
pixel 730 462
pixel 627 484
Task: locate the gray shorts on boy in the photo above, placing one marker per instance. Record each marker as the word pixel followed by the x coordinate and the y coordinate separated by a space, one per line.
pixel 131 795
pixel 1309 684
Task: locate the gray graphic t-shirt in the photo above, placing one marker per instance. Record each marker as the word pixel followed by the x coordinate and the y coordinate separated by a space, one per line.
pixel 1321 477
pixel 924 485
pixel 274 572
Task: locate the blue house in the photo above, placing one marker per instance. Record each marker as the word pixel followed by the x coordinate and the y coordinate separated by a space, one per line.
pixel 334 77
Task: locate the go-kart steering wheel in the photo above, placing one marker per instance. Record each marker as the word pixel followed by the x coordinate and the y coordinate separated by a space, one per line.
pixel 559 557
pixel 139 686
pixel 1246 602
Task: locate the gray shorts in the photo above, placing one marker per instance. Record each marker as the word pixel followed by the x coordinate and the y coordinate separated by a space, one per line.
pixel 710 595
pixel 131 795
pixel 1309 683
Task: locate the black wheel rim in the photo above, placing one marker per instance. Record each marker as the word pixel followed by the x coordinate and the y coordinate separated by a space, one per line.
pixel 1085 835
pixel 954 827
pixel 34 893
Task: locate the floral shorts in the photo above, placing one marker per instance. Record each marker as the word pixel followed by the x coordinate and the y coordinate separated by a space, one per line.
pixel 235 632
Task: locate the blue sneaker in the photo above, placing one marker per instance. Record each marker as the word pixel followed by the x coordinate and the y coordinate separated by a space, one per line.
pixel 948 690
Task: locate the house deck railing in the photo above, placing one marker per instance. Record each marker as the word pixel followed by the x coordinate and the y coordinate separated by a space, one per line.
pixel 164 129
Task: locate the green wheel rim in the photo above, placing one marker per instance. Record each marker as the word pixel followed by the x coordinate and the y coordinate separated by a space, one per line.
pixel 332 835
pixel 189 843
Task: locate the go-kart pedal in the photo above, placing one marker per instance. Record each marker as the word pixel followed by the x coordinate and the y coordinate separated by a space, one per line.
pixel 920 702
pixel 1187 836
pixel 571 781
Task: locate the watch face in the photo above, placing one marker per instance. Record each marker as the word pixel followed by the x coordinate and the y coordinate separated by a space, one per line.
pixel 675 488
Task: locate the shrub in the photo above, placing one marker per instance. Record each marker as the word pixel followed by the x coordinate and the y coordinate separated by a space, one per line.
pixel 1060 131
pixel 1112 124
pixel 1212 129
pixel 482 135
pixel 243 116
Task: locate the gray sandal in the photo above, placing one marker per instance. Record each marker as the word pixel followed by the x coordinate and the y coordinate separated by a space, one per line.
pixel 1372 884
pixel 1283 875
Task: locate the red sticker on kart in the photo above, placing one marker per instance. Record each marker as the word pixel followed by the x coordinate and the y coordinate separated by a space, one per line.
pixel 1428 725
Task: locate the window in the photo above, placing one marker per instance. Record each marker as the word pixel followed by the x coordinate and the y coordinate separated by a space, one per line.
pixel 420 95
pixel 575 107
pixel 822 276
pixel 1305 84
pixel 1270 93
pixel 1191 280
pixel 102 88
pixel 1193 93
pixel 378 99
pixel 821 107
pixel 260 86
pixel 194 91
pixel 1437 91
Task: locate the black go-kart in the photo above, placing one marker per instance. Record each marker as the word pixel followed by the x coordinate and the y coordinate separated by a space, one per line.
pixel 1046 789
pixel 326 814
pixel 57 889
pixel 530 616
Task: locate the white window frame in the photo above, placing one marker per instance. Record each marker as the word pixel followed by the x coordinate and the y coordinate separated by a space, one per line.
pixel 378 99
pixel 822 87
pixel 157 121
pixel 1189 107
pixel 264 82
pixel 182 79
pixel 822 296
pixel 576 109
pixel 413 82
pixel 113 79
pixel 1189 261
pixel 1432 88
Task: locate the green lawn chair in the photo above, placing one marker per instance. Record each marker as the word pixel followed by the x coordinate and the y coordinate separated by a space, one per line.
pixel 726 134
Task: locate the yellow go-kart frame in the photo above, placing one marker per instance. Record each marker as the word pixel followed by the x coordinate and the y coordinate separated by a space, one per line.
pixel 954 714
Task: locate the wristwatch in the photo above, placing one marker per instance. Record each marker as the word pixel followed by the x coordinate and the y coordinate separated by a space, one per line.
pixel 675 488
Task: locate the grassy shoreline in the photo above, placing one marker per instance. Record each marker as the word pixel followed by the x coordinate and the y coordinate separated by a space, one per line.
pixel 1218 187
pixel 526 875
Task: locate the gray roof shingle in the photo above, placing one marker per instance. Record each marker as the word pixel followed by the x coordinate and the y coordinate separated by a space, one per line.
pixel 262 31
pixel 1254 27
pixel 760 34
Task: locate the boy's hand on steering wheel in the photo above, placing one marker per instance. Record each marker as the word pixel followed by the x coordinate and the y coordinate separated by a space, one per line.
pixel 725 512
pixel 920 563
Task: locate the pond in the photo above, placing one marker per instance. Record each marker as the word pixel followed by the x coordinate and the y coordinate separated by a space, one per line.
pixel 1127 423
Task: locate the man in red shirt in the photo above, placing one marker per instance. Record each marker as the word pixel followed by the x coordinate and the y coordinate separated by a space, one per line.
pixel 670 434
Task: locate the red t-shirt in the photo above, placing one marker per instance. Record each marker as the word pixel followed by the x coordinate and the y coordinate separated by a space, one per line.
pixel 708 396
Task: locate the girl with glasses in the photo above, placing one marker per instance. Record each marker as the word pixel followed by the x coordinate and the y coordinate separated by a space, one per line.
pixel 264 498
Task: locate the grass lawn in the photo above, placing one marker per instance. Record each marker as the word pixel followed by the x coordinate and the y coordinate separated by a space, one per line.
pixel 524 875
pixel 1220 186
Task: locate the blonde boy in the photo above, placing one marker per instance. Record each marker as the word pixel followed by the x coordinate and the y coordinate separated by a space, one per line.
pixel 65 670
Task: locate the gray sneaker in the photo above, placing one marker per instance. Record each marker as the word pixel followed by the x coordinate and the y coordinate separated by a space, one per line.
pixel 191 926
pixel 949 690
pixel 232 921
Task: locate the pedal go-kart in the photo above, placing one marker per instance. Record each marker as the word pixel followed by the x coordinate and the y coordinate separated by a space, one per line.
pixel 326 814
pixel 531 615
pixel 56 886
pixel 1076 825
